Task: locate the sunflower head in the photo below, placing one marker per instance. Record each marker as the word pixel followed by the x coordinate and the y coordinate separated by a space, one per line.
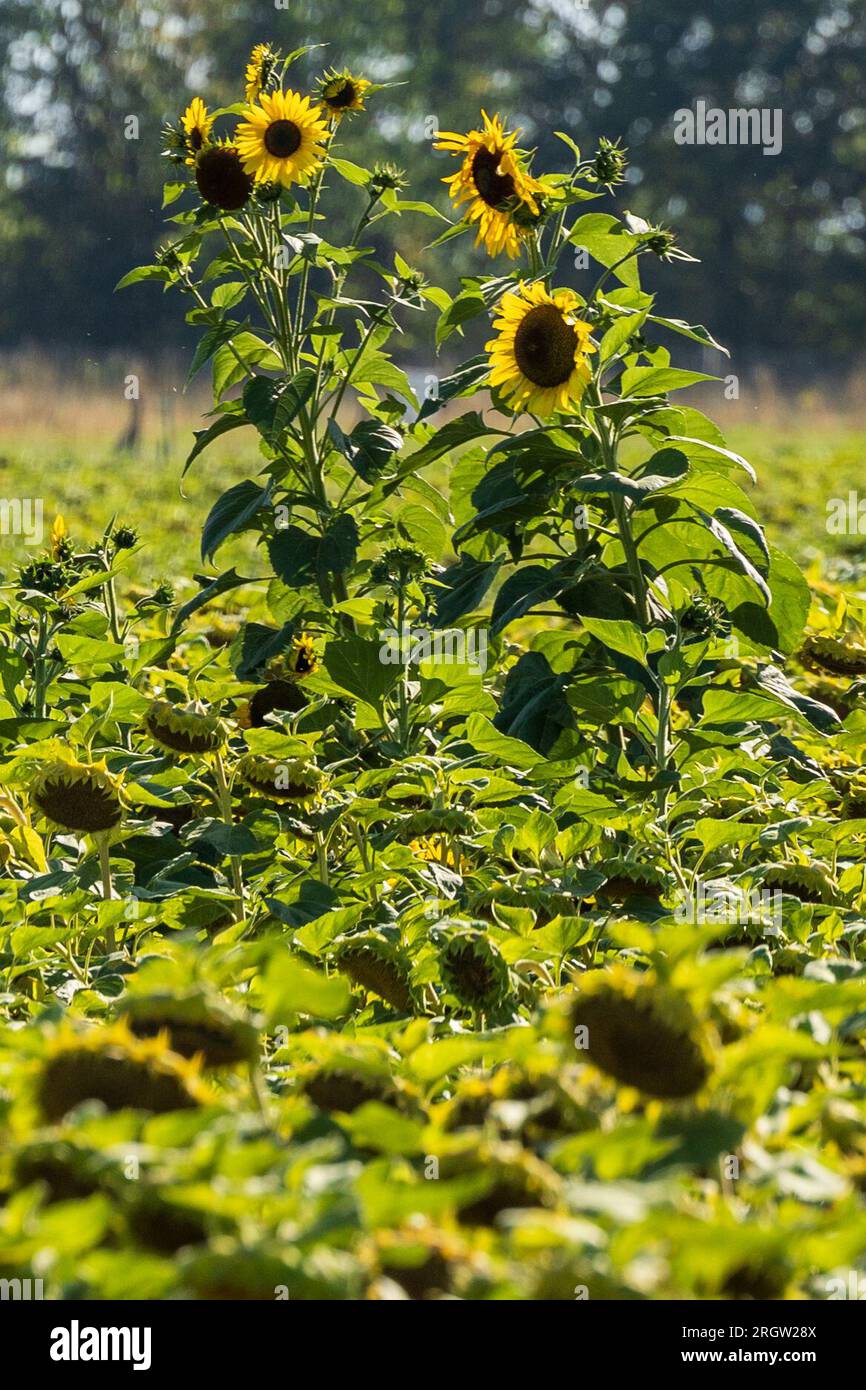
pixel 539 359
pixel 435 849
pixel 377 966
pixel 626 880
pixel 261 70
pixel 515 1180
pixel 194 1025
pixel 839 655
pixel 854 800
pixel 276 695
pixel 161 1224
pixel 84 797
pixel 809 882
pixel 344 1086
pixel 110 1065
pixel 473 970
pixel 222 178
pixel 67 1171
pixel 640 1032
pixel 282 138
pixel 495 183
pixel 184 728
pixel 295 780
pixel 196 126
pixel 341 93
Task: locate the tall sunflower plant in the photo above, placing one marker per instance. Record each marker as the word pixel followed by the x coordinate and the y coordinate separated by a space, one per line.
pixel 294 329
pixel 587 496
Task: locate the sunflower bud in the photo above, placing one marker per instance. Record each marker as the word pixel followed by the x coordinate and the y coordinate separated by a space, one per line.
pixel 610 162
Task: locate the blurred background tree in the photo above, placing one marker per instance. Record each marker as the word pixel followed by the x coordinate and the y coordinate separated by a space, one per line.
pixel 782 236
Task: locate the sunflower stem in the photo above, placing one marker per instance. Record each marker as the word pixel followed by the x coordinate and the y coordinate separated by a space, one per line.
pixel 107 885
pixel 226 809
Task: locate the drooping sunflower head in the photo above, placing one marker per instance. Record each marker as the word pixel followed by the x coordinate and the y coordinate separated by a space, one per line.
pixel 84 797
pixel 196 125
pixel 839 655
pixel 222 178
pixel 341 93
pixel 294 780
pixel 261 70
pixel 184 728
pixel 627 880
pixel 347 1083
pixel 283 138
pixel 642 1033
pixel 110 1065
pixel 494 180
pixel 473 970
pixel 811 883
pixel 377 966
pixel 194 1024
pixel 540 357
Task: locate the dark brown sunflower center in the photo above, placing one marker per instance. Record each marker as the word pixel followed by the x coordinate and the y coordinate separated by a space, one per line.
pixel 196 139
pixel 545 346
pixel 221 178
pixel 340 95
pixel 282 139
pixel 495 188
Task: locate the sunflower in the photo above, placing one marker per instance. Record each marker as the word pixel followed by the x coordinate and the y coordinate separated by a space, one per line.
pixel 260 70
pixel 341 93
pixel 221 177
pixel 196 124
pixel 377 966
pixel 110 1065
pixel 296 780
pixel 811 883
pixel 183 728
pixel 494 181
pixel 195 1025
pixel 539 359
pixel 641 1033
pixel 84 797
pixel 282 139
pixel 473 970
pixel 839 655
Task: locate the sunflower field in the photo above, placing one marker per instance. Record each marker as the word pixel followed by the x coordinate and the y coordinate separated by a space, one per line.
pixel 463 895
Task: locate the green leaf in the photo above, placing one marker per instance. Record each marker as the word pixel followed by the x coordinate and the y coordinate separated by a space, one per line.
pixel 291 987
pixel 356 666
pixel 144 272
pixel 466 583
pixel 656 381
pixel 232 513
pixel 203 438
pixel 463 382
pixel 608 242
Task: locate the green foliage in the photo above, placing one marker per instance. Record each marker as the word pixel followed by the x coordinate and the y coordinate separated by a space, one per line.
pixel 414 968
